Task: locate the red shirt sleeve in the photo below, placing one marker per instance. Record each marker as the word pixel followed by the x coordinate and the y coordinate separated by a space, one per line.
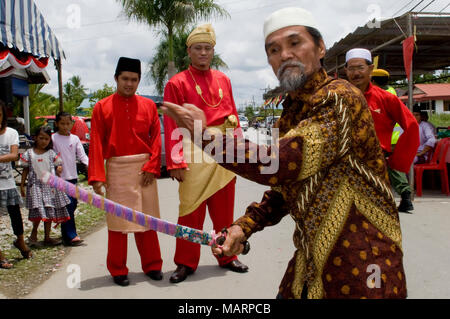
pixel 173 146
pixel 96 168
pixel 154 163
pixel 409 141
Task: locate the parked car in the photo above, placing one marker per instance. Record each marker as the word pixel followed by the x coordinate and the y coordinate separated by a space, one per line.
pixel 270 121
pixel 243 122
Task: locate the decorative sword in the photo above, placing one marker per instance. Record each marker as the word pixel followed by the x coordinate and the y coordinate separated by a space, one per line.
pixel 131 215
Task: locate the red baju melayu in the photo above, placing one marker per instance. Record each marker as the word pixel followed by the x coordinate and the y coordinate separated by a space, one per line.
pixel 126 132
pixel 212 185
pixel 387 110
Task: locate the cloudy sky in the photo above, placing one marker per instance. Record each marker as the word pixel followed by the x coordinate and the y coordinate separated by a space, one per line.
pixel 94 35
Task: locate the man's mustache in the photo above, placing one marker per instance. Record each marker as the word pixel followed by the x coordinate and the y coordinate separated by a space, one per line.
pixel 288 64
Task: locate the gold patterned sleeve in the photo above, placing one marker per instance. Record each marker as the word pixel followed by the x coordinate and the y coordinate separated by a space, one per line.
pixel 268 212
pixel 301 153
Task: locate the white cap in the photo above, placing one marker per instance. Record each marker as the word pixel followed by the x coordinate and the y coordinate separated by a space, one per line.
pixel 288 17
pixel 358 54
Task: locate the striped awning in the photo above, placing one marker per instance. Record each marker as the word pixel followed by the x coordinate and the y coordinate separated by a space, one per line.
pixel 23 27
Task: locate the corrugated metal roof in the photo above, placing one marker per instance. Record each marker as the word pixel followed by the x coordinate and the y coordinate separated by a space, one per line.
pixel 433 44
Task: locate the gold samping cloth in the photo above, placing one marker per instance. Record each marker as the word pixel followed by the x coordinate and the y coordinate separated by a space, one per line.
pixel 204 177
pixel 124 186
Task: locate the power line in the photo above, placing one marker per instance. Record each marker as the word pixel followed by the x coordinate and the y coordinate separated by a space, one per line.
pixel 403 7
pixel 93 24
pixel 427 5
pixel 416 5
pixel 262 7
pixel 445 7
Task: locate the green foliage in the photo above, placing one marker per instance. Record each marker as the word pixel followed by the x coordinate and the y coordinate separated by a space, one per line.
pixel 74 93
pixel 440 120
pixel 41 104
pixel 249 113
pixel 436 77
pixel 170 15
pixel 158 67
pixel 101 94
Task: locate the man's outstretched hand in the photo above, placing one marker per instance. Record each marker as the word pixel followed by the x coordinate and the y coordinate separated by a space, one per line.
pixel 233 244
pixel 185 116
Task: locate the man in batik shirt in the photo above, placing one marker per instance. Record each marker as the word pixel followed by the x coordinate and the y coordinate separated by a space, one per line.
pixel 332 176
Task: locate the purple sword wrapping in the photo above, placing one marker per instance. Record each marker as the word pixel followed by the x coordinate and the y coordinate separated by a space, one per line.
pixel 131 215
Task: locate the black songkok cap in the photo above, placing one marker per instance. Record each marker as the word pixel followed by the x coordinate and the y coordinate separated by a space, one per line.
pixel 127 64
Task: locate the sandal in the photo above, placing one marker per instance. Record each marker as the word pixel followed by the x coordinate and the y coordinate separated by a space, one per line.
pixel 52 242
pixel 27 254
pixel 75 243
pixel 5 264
pixel 32 243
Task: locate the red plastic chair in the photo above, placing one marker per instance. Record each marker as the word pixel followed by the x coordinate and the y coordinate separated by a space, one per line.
pixel 437 162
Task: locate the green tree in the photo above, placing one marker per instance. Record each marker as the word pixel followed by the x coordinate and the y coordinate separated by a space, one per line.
pixel 74 93
pixel 157 71
pixel 101 94
pixel 41 104
pixel 249 113
pixel 171 15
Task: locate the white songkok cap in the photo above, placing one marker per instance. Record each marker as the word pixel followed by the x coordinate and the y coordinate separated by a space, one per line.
pixel 288 17
pixel 358 54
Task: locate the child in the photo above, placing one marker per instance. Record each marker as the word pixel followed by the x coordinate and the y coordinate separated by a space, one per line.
pixel 70 148
pixel 43 202
pixel 9 196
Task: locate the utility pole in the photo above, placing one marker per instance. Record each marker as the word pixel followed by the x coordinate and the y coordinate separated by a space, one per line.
pixel 411 98
pixel 60 85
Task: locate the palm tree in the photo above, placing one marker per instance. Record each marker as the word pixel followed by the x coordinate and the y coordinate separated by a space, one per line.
pixel 74 93
pixel 157 71
pixel 170 15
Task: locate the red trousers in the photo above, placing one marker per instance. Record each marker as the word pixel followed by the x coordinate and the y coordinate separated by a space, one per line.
pixel 221 209
pixel 147 244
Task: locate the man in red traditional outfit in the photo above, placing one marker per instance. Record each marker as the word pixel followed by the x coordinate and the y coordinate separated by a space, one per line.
pixel 387 110
pixel 126 133
pixel 201 184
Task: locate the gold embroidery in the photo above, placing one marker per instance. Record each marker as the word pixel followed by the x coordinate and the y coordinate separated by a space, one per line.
pixel 374 180
pixel 313 144
pixel 387 225
pixel 299 278
pixel 328 233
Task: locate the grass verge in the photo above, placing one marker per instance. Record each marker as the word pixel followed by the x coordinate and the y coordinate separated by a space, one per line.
pixel 27 274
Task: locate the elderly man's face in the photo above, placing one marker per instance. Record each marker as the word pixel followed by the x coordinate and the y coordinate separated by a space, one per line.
pixel 294 56
pixel 358 73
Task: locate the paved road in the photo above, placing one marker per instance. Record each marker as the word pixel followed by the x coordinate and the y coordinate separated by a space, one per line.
pixel 426 243
pixel 425 240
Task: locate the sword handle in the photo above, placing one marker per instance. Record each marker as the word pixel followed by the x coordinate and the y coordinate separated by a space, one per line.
pixel 221 240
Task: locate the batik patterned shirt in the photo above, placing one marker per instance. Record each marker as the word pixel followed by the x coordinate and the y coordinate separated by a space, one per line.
pixel 332 180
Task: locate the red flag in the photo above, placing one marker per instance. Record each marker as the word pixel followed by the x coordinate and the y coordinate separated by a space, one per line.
pixel 408 50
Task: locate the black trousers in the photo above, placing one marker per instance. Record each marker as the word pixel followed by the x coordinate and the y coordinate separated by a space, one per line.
pixel 16 219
